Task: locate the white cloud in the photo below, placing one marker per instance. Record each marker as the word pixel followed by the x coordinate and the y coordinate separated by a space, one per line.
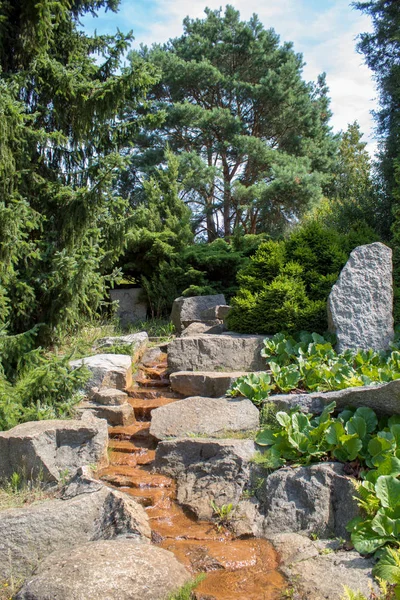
pixel 323 31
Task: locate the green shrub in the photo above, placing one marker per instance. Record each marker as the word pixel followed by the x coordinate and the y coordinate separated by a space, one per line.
pixel 285 285
pixel 35 385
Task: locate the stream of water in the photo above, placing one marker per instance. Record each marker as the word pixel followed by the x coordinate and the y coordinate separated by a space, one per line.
pixel 236 569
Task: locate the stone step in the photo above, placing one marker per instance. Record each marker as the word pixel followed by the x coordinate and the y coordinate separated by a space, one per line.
pixel 210 417
pixel 134 478
pixel 161 383
pixel 137 430
pixel 143 408
pixel 122 414
pixel 150 393
pixel 227 352
pixel 210 384
pixel 140 456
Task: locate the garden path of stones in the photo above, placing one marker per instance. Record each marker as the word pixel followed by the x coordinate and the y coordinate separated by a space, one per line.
pixel 169 445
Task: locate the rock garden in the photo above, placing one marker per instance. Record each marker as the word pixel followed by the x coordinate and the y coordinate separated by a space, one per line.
pixel 219 465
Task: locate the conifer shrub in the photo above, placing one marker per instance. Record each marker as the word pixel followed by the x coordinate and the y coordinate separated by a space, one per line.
pixel 35 384
pixel 285 285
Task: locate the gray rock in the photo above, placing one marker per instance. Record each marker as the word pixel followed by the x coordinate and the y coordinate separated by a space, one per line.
pixel 384 398
pixel 130 305
pixel 216 312
pixel 107 371
pixel 204 416
pixel 205 470
pixel 114 415
pixel 189 310
pixel 138 341
pixel 110 397
pixel 28 535
pixel 153 356
pixel 315 499
pixel 227 352
pixel 44 449
pixel 208 327
pixel 320 570
pixel 360 305
pixel 211 384
pixel 114 569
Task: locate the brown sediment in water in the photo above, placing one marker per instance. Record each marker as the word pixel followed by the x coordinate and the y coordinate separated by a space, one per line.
pixel 236 569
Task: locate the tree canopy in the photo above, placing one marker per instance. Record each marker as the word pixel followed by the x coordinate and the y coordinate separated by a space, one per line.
pixel 252 136
pixel 63 101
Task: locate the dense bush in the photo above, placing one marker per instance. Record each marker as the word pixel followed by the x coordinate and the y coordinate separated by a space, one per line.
pixel 35 385
pixel 196 270
pixel 285 285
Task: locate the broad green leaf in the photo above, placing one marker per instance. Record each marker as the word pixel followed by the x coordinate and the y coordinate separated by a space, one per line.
pixel 283 419
pixel 379 446
pixel 265 437
pixel 384 525
pixel 299 441
pixel 357 425
pixel 334 433
pixel 369 417
pixel 388 567
pixel 366 540
pixel 395 431
pixel 387 490
pixel 352 447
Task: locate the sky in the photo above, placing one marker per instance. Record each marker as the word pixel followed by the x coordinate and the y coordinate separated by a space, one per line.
pixel 324 31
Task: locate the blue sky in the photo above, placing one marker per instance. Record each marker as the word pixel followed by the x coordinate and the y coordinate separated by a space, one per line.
pixel 323 31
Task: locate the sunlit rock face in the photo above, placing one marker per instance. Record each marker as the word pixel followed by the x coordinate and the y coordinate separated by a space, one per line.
pixel 360 305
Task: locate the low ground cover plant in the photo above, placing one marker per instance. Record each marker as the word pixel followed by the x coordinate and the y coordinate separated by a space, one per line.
pixel 372 446
pixel 307 362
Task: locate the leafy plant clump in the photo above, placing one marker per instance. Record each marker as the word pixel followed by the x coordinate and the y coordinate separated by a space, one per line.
pixel 373 447
pixel 308 363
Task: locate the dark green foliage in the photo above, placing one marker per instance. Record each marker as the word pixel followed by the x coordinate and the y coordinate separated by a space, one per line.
pixel 35 385
pixel 62 103
pixel 195 270
pixel 286 283
pixel 352 195
pixel 253 137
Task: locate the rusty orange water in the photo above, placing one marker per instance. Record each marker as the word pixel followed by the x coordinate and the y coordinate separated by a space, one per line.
pixel 236 569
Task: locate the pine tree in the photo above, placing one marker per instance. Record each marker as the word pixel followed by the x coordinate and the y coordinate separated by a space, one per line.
pixel 63 98
pixel 381 49
pixel 252 135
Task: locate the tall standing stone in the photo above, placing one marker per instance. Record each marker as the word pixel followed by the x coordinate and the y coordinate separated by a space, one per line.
pixel 360 305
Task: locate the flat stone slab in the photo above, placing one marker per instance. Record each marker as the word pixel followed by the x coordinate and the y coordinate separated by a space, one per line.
pixel 383 398
pixel 189 310
pixel 226 352
pixel 138 341
pixel 107 371
pixel 203 416
pixel 206 470
pixel 211 384
pixel 114 415
pixel 29 534
pixel 360 305
pixel 120 569
pixel 319 570
pixel 45 449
